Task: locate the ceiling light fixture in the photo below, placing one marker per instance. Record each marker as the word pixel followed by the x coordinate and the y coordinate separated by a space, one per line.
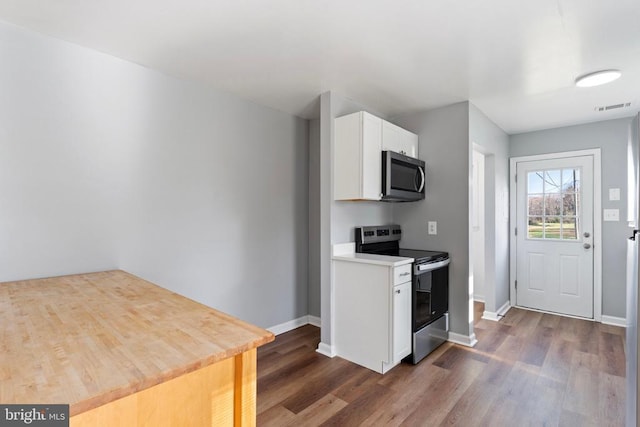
pixel 598 78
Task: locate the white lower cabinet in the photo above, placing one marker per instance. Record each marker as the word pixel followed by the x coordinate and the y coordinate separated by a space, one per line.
pixel 372 313
pixel 401 321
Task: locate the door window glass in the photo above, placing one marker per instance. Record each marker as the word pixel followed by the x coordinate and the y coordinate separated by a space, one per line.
pixel 553 204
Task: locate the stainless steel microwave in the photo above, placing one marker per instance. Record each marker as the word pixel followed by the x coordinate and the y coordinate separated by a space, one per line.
pixel 403 178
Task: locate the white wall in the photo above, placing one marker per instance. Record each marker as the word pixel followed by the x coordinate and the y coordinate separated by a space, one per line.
pixel 105 164
pixel 611 137
pixel 477 226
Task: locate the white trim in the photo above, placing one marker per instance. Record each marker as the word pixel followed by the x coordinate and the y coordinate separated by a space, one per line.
pixel 293 324
pixel 479 298
pixel 315 321
pixel 496 316
pixel 614 321
pixel 490 315
pixel 503 310
pixel 326 350
pixel 466 340
pixel 597 222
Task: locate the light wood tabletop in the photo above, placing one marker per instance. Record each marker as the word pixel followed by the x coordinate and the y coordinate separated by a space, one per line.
pixel 89 339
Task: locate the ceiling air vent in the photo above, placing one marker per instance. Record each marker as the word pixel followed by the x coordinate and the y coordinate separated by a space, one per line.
pixel 613 107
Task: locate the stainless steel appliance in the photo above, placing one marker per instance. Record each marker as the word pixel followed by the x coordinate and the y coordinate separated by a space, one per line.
pixel 430 285
pixel 403 177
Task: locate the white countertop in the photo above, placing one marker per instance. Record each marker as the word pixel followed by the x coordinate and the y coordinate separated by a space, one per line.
pixel 346 252
pixel 391 261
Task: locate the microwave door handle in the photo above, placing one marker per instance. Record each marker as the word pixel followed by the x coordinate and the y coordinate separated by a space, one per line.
pixel 422 175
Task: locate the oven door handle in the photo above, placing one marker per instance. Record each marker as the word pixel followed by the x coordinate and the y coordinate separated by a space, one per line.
pixel 432 266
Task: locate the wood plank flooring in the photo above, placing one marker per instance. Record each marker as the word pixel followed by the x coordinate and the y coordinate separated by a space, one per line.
pixel 528 369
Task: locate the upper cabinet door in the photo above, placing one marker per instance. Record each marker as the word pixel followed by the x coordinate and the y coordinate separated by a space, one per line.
pixel 357 160
pixel 394 138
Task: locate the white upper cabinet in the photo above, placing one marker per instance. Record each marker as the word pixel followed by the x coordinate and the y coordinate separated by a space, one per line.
pixel 359 141
pixel 357 161
pixel 394 138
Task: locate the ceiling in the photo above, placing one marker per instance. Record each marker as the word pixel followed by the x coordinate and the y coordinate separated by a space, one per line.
pixel 515 60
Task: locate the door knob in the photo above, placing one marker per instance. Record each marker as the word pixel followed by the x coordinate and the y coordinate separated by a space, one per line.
pixel 586 246
pixel 586 234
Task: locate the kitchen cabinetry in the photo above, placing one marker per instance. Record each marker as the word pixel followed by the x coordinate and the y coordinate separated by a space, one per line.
pixel 402 320
pixel 394 138
pixel 357 158
pixel 359 140
pixel 372 313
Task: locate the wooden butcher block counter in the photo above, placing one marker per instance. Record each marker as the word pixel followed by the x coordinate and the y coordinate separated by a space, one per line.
pixel 122 351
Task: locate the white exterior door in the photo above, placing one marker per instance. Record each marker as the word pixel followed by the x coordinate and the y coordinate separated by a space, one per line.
pixel 554 254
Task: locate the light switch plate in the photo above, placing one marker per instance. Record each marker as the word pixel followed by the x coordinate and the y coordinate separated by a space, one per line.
pixel 611 215
pixel 614 194
pixel 433 227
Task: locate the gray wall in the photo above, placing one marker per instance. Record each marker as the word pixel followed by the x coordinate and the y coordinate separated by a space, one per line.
pixel 345 215
pixel 611 137
pixel 444 146
pixel 105 164
pixel 338 218
pixel 493 142
pixel 62 137
pixel 314 217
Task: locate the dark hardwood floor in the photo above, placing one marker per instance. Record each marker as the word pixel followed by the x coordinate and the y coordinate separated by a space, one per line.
pixel 528 369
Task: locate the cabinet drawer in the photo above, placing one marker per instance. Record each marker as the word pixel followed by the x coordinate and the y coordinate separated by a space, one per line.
pixel 402 274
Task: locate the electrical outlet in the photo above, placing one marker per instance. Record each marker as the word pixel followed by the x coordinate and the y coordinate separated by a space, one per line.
pixel 433 227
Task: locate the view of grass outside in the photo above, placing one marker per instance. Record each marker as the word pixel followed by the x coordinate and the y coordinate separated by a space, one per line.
pixel 553 230
pixel 553 201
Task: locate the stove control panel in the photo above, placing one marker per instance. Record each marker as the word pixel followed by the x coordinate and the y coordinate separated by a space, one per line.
pixel 377 234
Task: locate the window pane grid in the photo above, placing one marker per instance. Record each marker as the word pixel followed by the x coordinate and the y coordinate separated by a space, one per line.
pixel 553 203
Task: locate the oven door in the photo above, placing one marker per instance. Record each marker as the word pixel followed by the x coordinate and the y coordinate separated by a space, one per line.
pixel 430 293
pixel 403 177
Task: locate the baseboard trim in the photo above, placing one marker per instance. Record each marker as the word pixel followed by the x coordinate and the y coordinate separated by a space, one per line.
pixel 496 316
pixel 490 315
pixel 293 324
pixel 326 350
pixel 614 321
pixel 315 321
pixel 478 298
pixel 466 340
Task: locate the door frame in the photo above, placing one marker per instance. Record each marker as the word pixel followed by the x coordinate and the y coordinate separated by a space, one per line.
pixel 597 222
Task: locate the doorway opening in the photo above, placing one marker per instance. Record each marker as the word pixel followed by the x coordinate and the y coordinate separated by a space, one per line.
pixel 478 232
